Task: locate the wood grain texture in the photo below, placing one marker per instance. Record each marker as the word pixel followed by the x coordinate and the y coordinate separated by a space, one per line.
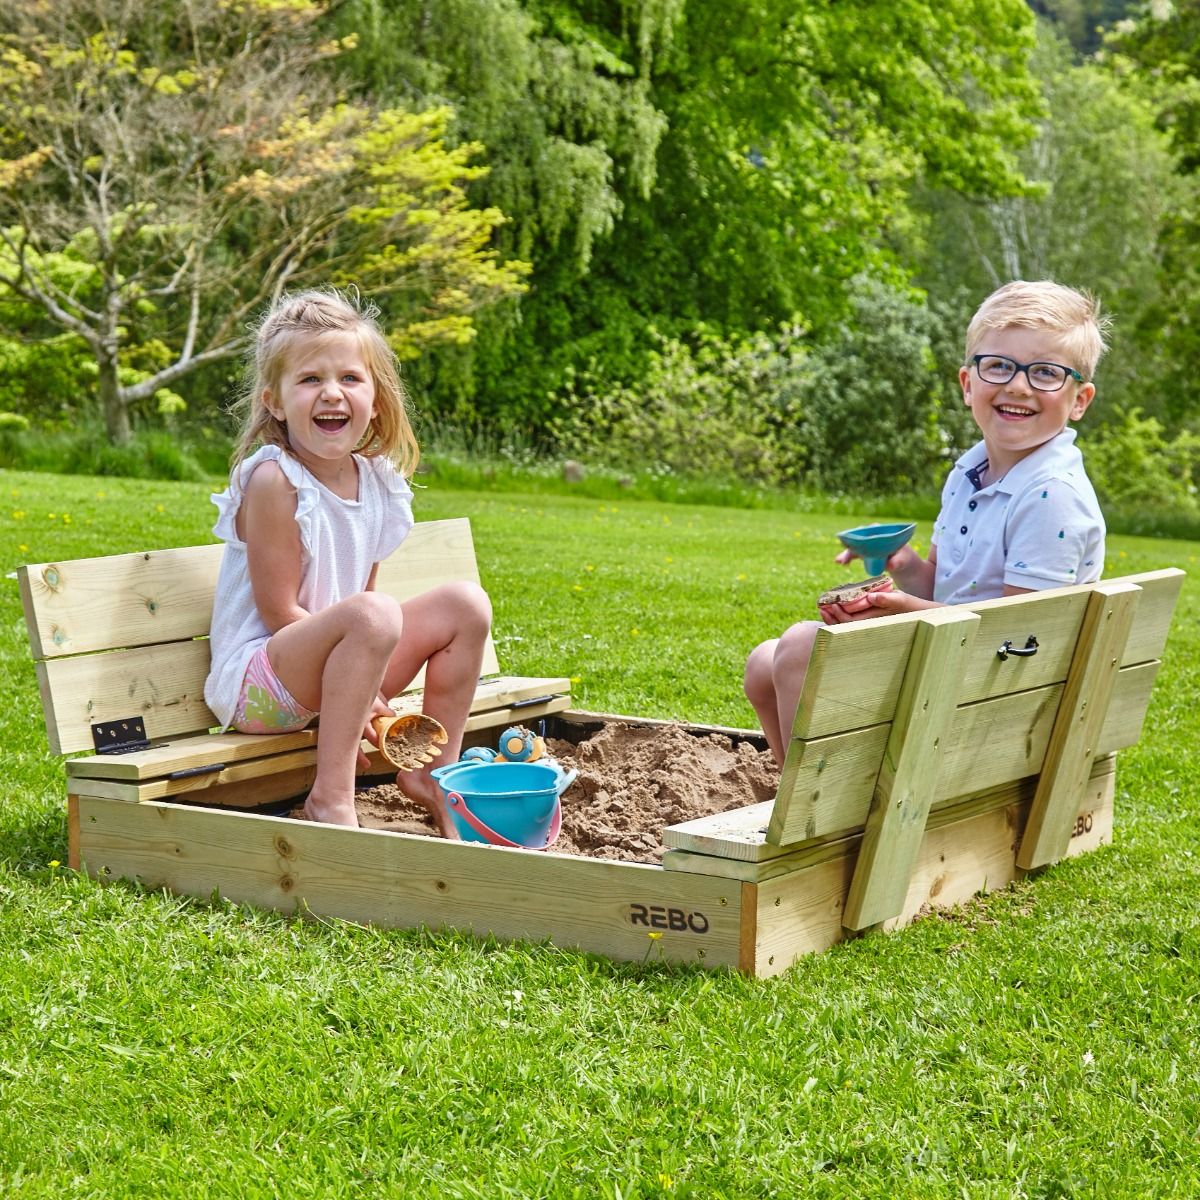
pixel 912 761
pixel 407 881
pixel 1074 740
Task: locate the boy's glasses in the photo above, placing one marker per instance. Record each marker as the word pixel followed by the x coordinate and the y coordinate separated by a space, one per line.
pixel 1042 376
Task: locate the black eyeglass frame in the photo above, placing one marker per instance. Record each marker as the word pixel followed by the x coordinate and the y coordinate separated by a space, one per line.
pixel 1071 373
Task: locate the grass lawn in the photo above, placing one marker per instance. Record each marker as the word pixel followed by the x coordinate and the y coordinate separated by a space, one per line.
pixel 1040 1042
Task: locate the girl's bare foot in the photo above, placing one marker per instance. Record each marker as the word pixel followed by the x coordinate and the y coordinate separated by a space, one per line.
pixel 330 812
pixel 422 789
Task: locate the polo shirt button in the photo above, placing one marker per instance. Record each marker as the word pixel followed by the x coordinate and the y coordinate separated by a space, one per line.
pixel 963 529
pixel 972 505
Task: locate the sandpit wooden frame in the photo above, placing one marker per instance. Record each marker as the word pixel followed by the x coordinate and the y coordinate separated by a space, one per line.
pixel 927 764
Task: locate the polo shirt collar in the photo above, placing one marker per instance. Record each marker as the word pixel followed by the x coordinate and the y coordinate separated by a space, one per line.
pixel 1016 477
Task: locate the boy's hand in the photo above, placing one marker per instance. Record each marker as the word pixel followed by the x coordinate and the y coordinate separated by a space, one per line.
pixel 880 604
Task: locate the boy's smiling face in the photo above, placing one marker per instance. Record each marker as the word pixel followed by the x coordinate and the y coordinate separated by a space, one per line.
pixel 1014 417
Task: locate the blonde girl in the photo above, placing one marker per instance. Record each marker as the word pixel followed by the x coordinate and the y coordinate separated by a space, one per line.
pixel 298 628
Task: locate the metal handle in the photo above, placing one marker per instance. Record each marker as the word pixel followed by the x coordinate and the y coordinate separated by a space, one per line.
pixel 1007 648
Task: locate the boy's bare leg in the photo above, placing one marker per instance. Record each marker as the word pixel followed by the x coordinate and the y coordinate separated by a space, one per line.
pixel 774 680
pixel 759 685
pixel 445 631
pixel 789 668
pixel 333 661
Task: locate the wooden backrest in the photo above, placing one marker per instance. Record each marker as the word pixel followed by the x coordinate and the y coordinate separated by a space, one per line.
pixel 127 635
pixel 903 714
pixel 1004 710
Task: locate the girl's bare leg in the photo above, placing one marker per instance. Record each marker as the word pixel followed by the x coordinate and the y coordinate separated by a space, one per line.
pixel 445 630
pixel 334 661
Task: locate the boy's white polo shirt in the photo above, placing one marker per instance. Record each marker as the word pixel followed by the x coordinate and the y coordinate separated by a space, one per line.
pixel 1037 527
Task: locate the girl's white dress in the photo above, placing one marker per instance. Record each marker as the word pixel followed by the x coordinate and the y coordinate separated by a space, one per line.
pixel 340 541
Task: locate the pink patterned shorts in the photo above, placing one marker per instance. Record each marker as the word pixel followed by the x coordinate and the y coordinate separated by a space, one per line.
pixel 265 705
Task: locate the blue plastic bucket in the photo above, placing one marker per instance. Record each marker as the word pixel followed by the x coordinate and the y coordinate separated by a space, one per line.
pixel 505 803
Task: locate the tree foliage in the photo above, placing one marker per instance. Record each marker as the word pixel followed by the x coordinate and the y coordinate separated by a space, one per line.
pixel 1104 186
pixel 192 160
pixel 1158 59
pixel 675 163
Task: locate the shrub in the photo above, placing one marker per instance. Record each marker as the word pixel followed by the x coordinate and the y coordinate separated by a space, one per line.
pixel 1133 465
pixel 153 455
pixel 859 409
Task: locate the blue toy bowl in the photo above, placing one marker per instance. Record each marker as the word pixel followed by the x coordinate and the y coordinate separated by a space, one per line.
pixel 503 803
pixel 876 543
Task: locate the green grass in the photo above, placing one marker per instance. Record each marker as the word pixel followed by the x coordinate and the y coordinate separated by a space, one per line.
pixel 1040 1042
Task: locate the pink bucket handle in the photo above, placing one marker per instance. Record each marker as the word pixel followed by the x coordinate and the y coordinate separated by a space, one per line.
pixel 459 806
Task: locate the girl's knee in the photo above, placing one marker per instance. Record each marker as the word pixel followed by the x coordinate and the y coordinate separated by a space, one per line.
pixel 471 606
pixel 375 619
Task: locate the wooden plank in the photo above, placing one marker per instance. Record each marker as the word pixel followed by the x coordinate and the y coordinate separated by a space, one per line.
pixel 73 832
pixel 240 785
pixel 1148 637
pixel 407 881
pixel 89 604
pixel 801 913
pixel 1080 721
pixel 912 760
pixel 582 717
pixel 164 685
pixel 1053 617
pixel 789 859
pixel 854 676
pixel 828 789
pixel 493 704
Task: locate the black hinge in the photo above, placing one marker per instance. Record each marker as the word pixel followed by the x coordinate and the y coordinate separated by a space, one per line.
pixel 121 736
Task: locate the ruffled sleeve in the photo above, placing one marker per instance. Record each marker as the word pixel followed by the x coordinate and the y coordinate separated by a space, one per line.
pixel 396 504
pixel 229 501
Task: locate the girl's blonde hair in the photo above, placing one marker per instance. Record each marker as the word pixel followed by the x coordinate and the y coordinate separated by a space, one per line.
pixel 1074 315
pixel 303 317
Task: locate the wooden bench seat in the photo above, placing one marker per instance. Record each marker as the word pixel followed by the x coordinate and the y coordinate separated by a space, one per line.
pixel 934 755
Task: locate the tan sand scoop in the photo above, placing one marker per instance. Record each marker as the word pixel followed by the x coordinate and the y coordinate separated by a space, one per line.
pixel 409 741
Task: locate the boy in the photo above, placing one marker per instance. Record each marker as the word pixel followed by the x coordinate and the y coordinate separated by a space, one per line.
pixel 1018 511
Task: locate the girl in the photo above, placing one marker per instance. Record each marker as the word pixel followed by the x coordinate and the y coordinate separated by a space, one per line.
pixel 297 628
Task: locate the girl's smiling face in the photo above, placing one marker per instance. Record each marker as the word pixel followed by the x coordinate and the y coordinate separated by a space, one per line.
pixel 326 398
pixel 1014 417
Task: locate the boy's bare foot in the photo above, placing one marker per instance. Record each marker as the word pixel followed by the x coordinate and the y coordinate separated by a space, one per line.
pixel 423 790
pixel 327 812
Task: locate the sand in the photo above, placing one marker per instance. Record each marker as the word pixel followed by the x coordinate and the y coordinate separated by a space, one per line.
pixel 633 780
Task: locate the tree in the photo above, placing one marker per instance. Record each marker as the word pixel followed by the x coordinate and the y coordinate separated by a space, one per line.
pixel 1158 58
pixel 194 159
pixel 1105 185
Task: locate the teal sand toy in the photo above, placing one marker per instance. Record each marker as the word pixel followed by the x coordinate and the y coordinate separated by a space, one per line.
pixel 876 543
pixel 505 803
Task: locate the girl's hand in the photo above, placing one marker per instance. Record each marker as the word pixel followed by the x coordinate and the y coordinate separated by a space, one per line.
pixel 379 708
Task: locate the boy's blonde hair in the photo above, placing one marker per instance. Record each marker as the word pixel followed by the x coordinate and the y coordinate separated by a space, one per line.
pixel 1043 304
pixel 304 317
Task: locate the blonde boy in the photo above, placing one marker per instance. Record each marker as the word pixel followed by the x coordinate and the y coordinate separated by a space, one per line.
pixel 1018 511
